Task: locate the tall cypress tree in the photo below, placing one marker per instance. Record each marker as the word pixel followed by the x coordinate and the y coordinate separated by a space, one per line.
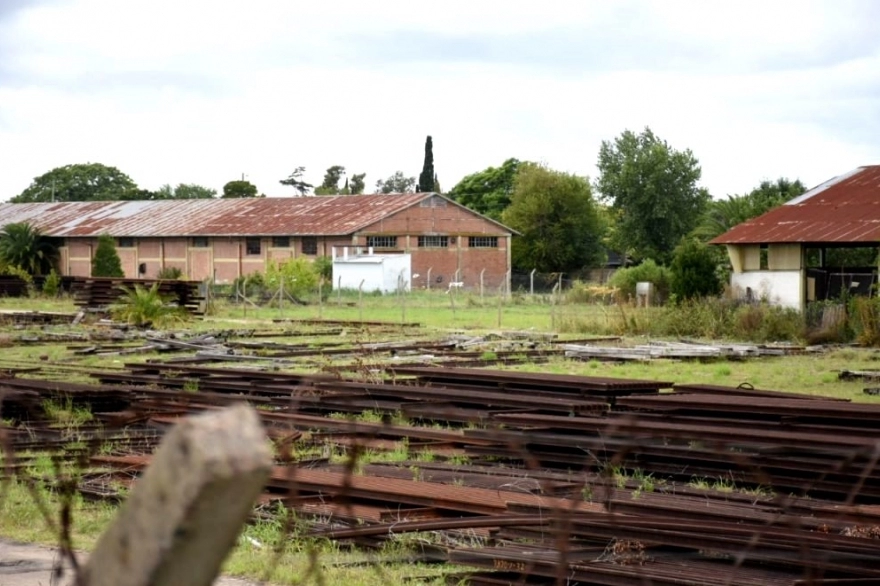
pixel 426 177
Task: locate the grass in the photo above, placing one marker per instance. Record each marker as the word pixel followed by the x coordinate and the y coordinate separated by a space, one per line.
pixel 267 549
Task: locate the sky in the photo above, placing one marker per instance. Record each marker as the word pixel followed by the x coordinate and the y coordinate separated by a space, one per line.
pixel 186 91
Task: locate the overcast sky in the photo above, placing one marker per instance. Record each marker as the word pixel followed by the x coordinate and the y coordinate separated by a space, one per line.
pixel 185 91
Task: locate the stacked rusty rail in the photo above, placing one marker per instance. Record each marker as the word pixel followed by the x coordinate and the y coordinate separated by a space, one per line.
pixel 532 478
pixel 99 292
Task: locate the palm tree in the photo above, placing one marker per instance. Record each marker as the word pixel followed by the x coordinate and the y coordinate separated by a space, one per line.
pixel 24 246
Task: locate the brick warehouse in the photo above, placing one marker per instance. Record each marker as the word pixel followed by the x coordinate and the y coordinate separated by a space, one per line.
pixel 227 238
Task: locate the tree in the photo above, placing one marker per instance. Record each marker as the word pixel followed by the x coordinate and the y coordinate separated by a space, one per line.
pixel 239 188
pixel 330 185
pixel 397 183
pixel 654 189
pixel 25 247
pixel 357 183
pixel 427 176
pixel 106 261
pixel 487 192
pixel 182 191
pixel 193 191
pixel 723 214
pixel 295 180
pixel 437 185
pixel 81 182
pixel 694 270
pixel 557 218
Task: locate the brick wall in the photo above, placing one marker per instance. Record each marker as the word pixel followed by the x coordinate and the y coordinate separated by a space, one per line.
pixel 457 223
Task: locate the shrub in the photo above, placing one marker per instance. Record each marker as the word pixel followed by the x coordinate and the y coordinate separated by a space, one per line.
pixel 170 274
pixel 144 307
pixel 694 270
pixel 298 276
pixel 324 267
pixel 624 280
pixel 581 292
pixel 52 284
pixel 106 261
pixel 864 314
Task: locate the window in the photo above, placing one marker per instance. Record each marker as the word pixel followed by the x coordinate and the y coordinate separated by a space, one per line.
pixel 310 244
pixel 252 245
pixel 483 242
pixel 200 242
pixel 281 242
pixel 125 242
pixel 382 241
pixel 433 241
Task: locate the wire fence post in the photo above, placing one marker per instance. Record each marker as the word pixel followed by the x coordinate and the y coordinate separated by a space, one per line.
pixel 553 307
pixel 532 282
pixel 482 272
pixel 339 291
pixel 401 289
pixel 361 300
pixel 281 298
pixel 428 279
pixel 321 298
pixel 500 301
pixel 451 292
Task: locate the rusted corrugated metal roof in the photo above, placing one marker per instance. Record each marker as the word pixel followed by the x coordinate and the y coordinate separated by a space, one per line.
pixel 324 215
pixel 844 209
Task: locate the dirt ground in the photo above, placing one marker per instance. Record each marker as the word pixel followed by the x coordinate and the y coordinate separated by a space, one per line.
pixel 23 564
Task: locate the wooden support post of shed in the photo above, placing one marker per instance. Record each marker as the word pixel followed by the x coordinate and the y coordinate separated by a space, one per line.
pixel 183 516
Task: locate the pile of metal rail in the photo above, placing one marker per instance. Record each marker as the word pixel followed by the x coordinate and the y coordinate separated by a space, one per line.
pixel 528 478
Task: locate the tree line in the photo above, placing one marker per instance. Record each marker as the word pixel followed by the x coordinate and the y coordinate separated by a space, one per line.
pixel 645 203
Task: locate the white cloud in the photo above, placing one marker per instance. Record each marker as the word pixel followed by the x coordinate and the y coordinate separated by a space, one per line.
pixel 184 91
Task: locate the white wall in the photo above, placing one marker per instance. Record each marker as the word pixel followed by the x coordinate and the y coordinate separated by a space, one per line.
pixel 378 272
pixel 783 288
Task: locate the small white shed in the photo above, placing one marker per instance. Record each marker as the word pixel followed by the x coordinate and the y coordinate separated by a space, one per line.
pixel 378 272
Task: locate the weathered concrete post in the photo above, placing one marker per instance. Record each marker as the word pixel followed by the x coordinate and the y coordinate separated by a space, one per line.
pixel 183 516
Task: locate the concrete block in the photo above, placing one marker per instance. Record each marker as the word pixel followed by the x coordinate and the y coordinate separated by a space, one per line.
pixel 183 516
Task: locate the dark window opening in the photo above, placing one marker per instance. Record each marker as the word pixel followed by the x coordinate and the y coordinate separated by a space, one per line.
pixel 281 241
pixel 382 241
pixel 252 245
pixel 125 242
pixel 765 258
pixel 482 242
pixel 433 241
pixel 200 242
pixel 310 244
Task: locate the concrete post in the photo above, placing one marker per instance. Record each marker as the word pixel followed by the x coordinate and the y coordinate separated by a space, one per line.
pixel 184 514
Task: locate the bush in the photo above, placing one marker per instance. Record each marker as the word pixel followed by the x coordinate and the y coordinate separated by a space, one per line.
pixel 298 276
pixel 170 274
pixel 106 261
pixel 144 307
pixel 581 292
pixel 52 284
pixel 624 280
pixel 694 270
pixel 324 267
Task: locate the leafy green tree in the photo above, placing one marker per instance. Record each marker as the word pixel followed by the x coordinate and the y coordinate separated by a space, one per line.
pixel 295 180
pixel 106 262
pixel 357 183
pixel 239 188
pixel 81 182
pixel 182 191
pixel 694 270
pixel 723 214
pixel 557 218
pixel 427 176
pixel 24 246
pixel 397 183
pixel 654 189
pixel 330 185
pixel 487 192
